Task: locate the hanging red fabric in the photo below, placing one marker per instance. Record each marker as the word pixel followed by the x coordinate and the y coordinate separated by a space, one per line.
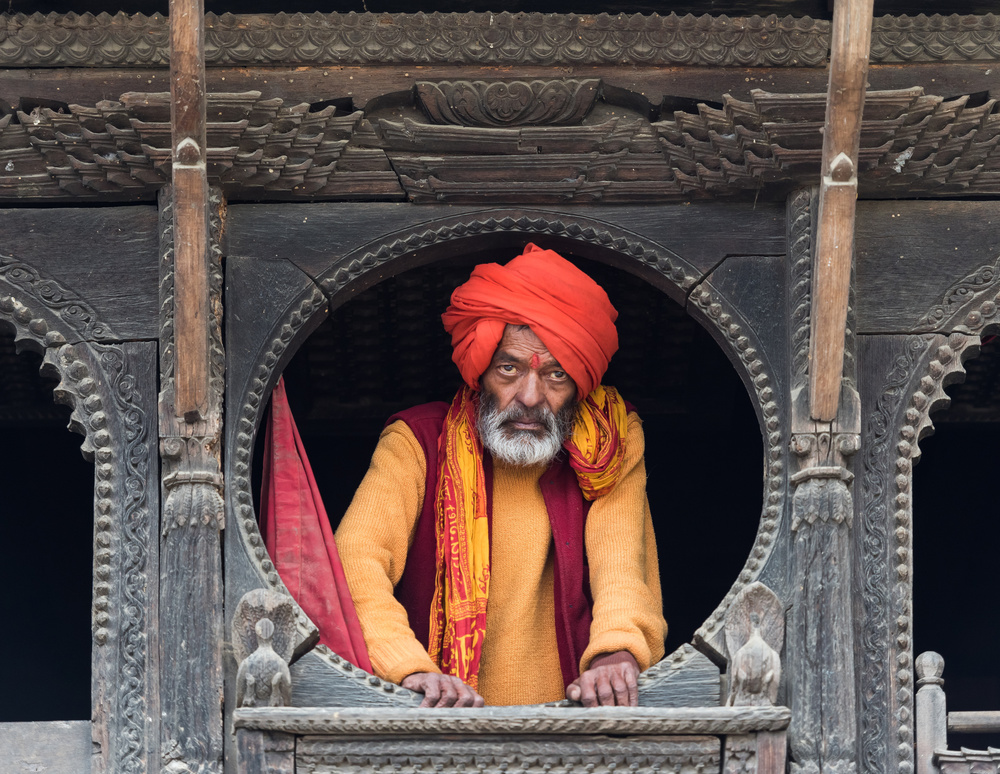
pixel 299 538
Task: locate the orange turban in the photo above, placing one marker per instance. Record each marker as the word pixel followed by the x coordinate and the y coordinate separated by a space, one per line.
pixel 565 308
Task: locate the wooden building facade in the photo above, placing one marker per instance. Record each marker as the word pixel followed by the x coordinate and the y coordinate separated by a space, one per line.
pixel 346 170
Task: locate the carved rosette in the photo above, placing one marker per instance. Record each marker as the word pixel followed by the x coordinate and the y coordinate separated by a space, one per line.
pixel 508 103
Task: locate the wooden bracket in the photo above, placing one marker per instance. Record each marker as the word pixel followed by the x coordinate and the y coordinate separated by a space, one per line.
pixel 849 48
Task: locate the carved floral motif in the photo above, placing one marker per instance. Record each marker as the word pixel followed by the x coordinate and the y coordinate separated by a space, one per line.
pixel 508 103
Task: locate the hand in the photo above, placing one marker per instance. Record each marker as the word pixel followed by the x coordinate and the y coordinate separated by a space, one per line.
pixel 612 680
pixel 442 690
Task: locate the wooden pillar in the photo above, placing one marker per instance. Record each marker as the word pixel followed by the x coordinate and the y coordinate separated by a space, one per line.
pixel 191 380
pixel 849 47
pixel 932 711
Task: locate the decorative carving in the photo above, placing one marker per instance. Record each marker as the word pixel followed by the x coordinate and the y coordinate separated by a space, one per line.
pixel 876 651
pixel 385 721
pixel 192 475
pixel 263 636
pixel 592 232
pixel 936 38
pixel 603 755
pixel 97 382
pixel 968 305
pixel 122 149
pixel 741 754
pixel 375 38
pixel 748 351
pixel 909 142
pixel 77 315
pixel 755 632
pixel 508 103
pixel 800 247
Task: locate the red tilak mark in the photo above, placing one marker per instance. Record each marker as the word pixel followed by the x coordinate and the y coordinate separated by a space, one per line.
pixel 536 362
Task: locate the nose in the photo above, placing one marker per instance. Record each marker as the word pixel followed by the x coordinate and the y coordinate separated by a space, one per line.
pixel 529 392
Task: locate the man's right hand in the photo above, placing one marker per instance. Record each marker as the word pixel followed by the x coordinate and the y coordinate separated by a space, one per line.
pixel 442 690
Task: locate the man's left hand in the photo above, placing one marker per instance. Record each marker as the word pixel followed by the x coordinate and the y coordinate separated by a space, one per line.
pixel 611 681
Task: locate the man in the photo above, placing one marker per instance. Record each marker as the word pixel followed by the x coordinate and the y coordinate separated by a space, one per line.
pixel 528 492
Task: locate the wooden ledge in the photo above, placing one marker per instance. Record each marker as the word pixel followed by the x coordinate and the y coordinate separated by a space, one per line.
pixel 514 720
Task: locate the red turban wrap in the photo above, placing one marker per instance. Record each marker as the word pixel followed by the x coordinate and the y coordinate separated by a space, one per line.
pixel 565 308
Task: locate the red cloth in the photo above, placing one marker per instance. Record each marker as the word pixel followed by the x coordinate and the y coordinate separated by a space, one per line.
pixel 565 308
pixel 299 538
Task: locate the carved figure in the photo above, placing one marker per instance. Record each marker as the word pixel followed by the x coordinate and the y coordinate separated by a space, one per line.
pixel 755 630
pixel 263 635
pixel 263 678
pixel 532 360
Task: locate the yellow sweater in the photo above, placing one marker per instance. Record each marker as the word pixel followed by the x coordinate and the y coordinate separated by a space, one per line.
pixel 520 661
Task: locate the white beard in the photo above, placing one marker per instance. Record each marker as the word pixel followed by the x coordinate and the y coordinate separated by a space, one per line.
pixel 522 447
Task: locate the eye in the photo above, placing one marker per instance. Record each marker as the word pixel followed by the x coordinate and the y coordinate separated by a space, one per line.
pixel 559 375
pixel 508 369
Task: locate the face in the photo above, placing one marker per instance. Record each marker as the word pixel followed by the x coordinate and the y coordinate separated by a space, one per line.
pixel 523 371
pixel 527 404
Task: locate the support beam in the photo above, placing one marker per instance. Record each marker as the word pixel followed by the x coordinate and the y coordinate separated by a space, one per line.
pixel 850 43
pixel 190 200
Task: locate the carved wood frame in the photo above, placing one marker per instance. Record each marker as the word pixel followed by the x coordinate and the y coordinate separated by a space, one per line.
pixel 588 237
pixel 925 363
pixel 111 389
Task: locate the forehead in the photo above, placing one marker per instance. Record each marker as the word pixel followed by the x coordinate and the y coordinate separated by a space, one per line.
pixel 522 343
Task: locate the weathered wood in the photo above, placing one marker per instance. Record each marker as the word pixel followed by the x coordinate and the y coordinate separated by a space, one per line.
pixel 191 586
pixel 93 268
pixel 932 713
pixel 87 86
pixel 919 262
pixel 755 634
pixel 56 747
pixel 982 722
pixel 264 752
pixel 190 184
pixel 683 679
pixel 850 42
pixel 263 637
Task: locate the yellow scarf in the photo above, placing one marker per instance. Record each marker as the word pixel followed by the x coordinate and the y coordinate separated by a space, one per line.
pixel 458 611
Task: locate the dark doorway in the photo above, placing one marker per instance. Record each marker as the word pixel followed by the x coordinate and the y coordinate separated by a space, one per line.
pixel 47 511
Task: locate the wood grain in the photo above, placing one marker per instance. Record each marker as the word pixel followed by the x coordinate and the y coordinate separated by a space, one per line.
pixel 190 192
pixel 850 42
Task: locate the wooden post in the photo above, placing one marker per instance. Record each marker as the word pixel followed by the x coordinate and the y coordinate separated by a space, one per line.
pixel 932 712
pixel 190 199
pixel 849 46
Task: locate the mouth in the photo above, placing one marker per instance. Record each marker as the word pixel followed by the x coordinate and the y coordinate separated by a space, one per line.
pixel 524 425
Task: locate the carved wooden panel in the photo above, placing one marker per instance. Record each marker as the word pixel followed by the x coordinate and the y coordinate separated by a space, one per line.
pixel 504 38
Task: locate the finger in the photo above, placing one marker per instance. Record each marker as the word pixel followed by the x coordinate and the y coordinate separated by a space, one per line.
pixel 449 693
pixel 432 692
pixel 620 687
pixel 632 680
pixel 605 693
pixel 588 684
pixel 466 696
pixel 479 701
pixel 573 690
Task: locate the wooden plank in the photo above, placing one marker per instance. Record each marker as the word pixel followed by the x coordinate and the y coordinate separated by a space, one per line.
pixel 984 722
pixel 190 194
pixel 910 253
pixel 55 747
pixel 850 43
pixel 105 257
pixel 87 86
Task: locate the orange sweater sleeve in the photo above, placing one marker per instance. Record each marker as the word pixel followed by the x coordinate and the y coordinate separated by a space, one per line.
pixel 624 573
pixel 373 539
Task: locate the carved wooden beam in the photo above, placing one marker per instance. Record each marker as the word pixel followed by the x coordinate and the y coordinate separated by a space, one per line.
pixel 190 194
pixel 851 38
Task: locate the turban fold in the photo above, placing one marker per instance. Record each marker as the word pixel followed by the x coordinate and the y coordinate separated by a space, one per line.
pixel 565 308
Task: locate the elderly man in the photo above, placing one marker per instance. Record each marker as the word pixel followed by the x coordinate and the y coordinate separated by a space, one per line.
pixel 500 548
